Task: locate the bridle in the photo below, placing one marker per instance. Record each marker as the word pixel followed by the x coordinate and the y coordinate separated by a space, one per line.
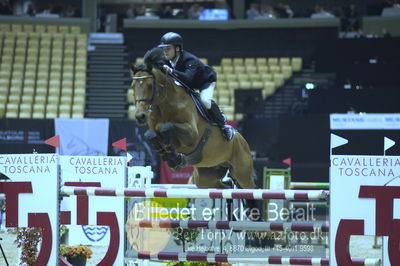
pixel 153 92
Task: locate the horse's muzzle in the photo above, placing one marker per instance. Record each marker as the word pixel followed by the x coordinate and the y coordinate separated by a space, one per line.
pixel 141 118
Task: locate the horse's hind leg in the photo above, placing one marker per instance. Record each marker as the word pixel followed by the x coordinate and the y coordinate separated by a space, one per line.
pixel 242 163
pixel 242 172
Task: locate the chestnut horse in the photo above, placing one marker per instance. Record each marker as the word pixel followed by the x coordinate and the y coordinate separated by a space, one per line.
pixel 182 137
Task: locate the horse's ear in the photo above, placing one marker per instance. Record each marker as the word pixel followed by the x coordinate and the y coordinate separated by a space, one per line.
pixel 133 69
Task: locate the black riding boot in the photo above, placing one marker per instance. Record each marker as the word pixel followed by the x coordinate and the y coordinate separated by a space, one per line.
pixel 220 119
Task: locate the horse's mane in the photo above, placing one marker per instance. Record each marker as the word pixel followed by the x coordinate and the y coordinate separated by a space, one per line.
pixel 155 58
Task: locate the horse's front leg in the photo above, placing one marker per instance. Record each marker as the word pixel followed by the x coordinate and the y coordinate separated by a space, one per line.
pixel 184 133
pixel 154 140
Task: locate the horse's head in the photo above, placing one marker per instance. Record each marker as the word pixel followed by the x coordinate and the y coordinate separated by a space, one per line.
pixel 143 84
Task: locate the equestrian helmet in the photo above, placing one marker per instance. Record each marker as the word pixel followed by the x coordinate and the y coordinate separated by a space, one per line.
pixel 171 38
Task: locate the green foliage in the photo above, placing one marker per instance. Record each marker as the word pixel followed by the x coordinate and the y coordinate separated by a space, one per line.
pixel 75 251
pixel 28 240
pixel 63 230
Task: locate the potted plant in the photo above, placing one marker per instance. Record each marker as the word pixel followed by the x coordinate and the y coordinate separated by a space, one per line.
pixel 76 255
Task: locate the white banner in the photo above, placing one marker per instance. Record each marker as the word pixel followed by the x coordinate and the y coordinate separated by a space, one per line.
pixel 108 171
pixel 82 136
pixel 365 121
pixel 40 171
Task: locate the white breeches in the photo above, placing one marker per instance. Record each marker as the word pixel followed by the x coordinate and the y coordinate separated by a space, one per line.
pixel 206 95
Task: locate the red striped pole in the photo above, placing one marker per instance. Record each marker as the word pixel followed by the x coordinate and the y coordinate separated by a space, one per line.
pixel 237 225
pixel 221 258
pixel 198 193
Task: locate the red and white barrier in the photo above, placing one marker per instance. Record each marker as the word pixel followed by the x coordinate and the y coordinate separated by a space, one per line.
pixel 237 225
pixel 198 193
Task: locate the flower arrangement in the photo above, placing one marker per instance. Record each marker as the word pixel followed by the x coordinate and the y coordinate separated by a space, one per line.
pixel 75 251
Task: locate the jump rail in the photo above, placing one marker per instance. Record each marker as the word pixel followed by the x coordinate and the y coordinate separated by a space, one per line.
pixel 237 225
pixel 215 257
pixel 197 193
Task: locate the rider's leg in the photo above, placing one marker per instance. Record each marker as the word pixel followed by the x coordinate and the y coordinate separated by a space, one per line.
pixel 218 117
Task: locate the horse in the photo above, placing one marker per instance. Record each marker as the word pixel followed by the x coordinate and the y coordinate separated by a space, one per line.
pixel 181 135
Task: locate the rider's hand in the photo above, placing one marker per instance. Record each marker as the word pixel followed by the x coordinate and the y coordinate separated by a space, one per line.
pixel 167 69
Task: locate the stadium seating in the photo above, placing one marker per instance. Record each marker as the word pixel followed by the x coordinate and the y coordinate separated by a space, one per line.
pixel 42 71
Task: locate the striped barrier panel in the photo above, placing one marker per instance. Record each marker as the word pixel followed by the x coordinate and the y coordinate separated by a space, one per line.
pixel 198 193
pixel 237 225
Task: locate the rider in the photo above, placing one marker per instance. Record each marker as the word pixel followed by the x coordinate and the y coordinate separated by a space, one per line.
pixel 195 74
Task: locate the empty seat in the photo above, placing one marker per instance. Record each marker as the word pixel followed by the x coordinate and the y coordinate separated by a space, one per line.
pixel 274 69
pixel 41 91
pixel 286 71
pixel 249 61
pixel 25 115
pixel 79 100
pixel 14 98
pixel 27 27
pixel 251 69
pixel 226 61
pixel 233 85
pixel 12 114
pixel 231 77
pixel 28 90
pixel 272 61
pixel 239 69
pixel 254 77
pixel 242 77
pixel 284 61
pixel 52 99
pixel 25 107
pixel 237 61
pixel 278 79
pixel 40 99
pixel 224 101
pixel 244 84
pixel 227 69
pixel 52 28
pixel 65 109
pixel 40 28
pixel 67 100
pixel 27 99
pixel 297 63
pixel 257 84
pixel 269 88
pixel 12 107
pixel 262 69
pixel 261 61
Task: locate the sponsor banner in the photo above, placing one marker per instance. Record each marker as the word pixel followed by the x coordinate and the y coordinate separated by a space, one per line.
pixel 357 184
pixel 82 136
pixel 25 135
pixel 364 183
pixel 104 171
pixel 40 172
pixel 365 121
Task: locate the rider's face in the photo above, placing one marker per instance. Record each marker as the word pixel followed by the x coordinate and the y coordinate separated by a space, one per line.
pixel 170 52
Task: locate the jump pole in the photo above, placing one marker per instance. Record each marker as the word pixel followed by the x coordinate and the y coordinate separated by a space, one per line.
pixel 237 225
pixel 197 193
pixel 228 258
